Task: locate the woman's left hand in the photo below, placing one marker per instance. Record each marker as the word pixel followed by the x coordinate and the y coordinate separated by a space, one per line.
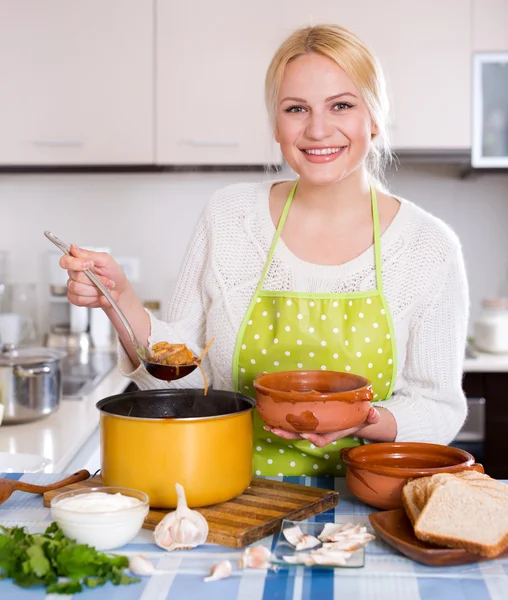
pixel 323 439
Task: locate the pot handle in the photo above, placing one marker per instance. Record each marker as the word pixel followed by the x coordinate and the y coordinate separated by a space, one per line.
pixel 476 467
pixel 22 372
pixel 366 394
pixel 344 453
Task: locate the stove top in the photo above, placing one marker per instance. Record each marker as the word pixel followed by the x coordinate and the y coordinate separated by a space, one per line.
pixel 83 371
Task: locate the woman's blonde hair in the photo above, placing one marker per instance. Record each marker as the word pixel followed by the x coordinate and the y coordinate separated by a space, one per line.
pixel 355 59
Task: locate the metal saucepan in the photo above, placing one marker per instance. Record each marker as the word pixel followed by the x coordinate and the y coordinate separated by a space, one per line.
pixel 152 439
pixel 30 382
pixel 160 371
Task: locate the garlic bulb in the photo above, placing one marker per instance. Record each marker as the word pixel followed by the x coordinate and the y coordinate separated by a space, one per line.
pixel 220 571
pixel 183 528
pixel 139 565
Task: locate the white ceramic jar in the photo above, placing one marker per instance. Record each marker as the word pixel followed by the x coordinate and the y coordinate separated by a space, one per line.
pixel 491 327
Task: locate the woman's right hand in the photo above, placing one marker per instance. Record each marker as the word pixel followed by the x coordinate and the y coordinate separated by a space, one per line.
pixel 80 290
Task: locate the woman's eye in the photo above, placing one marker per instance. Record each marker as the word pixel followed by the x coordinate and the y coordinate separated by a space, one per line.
pixel 294 109
pixel 342 106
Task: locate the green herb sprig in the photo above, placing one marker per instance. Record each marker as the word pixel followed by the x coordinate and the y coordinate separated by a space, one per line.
pixel 59 564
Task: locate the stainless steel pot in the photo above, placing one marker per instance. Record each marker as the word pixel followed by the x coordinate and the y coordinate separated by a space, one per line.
pixel 30 382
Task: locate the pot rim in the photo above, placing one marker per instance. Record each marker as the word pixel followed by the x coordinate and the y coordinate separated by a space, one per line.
pixel 404 472
pixel 29 356
pixel 325 396
pixel 99 405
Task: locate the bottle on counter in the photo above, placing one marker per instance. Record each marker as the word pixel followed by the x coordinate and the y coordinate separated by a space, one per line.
pixel 154 306
pixel 491 327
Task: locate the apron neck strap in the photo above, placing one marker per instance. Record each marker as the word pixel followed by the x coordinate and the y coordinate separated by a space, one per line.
pixel 276 237
pixel 377 239
pixel 282 220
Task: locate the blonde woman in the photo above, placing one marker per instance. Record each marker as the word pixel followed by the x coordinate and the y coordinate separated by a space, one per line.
pixel 326 272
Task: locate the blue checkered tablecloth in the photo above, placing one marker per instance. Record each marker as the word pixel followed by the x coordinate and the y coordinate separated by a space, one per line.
pixel 386 575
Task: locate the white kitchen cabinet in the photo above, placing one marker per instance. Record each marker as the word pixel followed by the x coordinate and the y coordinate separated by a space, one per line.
pixel 490 25
pixel 77 82
pixel 430 74
pixel 211 63
pixel 425 51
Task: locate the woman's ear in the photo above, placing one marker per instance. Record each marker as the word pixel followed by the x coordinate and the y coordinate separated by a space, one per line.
pixel 276 134
pixel 374 130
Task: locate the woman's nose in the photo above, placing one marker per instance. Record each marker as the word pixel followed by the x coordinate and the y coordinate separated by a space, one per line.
pixel 317 126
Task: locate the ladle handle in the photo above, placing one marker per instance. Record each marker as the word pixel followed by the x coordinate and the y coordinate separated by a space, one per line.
pixel 40 489
pixel 66 249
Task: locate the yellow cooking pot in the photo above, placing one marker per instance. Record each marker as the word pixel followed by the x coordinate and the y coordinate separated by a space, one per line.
pixel 152 439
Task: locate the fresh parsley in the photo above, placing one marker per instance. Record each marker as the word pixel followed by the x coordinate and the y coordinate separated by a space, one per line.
pixel 59 564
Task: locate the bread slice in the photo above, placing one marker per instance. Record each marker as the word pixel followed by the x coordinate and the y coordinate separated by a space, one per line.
pixel 461 515
pixel 417 491
pixel 484 481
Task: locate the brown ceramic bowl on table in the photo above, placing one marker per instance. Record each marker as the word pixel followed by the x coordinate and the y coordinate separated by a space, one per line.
pixel 312 401
pixel 376 473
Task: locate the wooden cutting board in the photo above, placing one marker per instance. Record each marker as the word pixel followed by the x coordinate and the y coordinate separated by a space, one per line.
pixel 255 514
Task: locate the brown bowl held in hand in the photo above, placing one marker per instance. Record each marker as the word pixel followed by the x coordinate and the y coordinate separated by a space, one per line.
pixel 312 401
pixel 376 473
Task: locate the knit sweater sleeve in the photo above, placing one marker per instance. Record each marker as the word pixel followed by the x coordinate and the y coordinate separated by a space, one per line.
pixel 428 401
pixel 186 316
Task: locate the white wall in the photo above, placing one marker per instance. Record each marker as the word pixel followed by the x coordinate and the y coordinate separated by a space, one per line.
pixel 152 216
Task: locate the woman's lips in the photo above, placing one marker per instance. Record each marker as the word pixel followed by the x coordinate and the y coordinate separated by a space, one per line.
pixel 323 155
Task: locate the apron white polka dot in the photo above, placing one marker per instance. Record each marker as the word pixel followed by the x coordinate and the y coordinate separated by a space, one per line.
pixel 284 331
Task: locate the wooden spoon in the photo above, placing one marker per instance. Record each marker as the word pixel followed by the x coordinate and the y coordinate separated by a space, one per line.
pixel 7 486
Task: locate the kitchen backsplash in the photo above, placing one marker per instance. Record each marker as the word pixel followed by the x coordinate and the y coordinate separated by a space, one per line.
pixel 152 216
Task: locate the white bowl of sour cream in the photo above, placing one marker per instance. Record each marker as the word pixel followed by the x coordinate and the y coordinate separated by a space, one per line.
pixel 103 517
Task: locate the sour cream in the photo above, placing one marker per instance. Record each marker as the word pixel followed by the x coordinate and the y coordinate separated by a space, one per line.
pixel 98 502
pixel 106 517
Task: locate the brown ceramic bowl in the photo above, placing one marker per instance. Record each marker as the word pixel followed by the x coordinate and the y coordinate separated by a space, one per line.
pixel 376 473
pixel 312 401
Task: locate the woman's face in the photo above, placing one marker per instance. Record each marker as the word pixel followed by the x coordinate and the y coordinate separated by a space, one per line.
pixel 323 125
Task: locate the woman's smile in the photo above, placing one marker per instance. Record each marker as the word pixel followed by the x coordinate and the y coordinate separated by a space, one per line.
pixel 323 155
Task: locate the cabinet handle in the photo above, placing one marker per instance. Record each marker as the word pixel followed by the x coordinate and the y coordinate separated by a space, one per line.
pixel 210 143
pixel 57 143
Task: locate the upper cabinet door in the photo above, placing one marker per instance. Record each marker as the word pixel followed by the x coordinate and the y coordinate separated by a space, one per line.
pixel 490 25
pixel 211 64
pixel 429 73
pixel 425 51
pixel 77 82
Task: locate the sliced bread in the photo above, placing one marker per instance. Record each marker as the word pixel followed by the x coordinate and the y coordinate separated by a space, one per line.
pixel 417 491
pixel 460 515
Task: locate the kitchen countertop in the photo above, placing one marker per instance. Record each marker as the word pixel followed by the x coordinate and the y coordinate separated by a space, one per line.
pixel 486 363
pixel 386 575
pixel 60 436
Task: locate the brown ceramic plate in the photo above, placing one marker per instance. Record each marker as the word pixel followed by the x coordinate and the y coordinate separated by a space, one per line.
pixel 395 529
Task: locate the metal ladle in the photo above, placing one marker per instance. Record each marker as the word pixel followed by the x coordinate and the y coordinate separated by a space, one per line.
pixel 160 371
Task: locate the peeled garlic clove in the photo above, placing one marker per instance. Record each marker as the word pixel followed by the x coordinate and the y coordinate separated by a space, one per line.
pixel 330 530
pixel 139 565
pixel 306 542
pixel 183 528
pixel 298 539
pixel 332 558
pixel 220 571
pixel 293 534
pixel 343 545
pixel 256 557
pixel 294 559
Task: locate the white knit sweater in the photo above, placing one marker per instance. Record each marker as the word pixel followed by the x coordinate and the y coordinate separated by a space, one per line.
pixel 423 277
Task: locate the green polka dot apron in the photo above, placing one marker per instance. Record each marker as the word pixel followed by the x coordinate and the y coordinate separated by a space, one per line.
pixel 284 331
